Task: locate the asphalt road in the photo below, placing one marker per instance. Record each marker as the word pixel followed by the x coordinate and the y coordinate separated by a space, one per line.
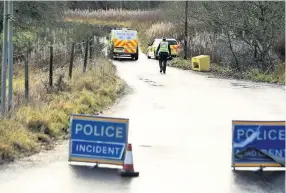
pixel 180 130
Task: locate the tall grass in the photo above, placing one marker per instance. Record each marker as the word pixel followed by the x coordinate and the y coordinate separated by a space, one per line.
pixel 45 118
pixel 114 15
pixel 160 29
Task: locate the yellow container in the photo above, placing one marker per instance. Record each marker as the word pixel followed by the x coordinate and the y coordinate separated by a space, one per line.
pixel 201 63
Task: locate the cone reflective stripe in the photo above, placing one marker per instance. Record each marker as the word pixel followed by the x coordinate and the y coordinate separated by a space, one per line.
pixel 128 162
pixel 128 168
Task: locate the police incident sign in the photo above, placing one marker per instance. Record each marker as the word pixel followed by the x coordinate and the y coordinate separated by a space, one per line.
pixel 258 143
pixel 98 139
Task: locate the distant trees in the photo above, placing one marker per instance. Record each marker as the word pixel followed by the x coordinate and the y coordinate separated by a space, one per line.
pixel 252 31
pixel 255 23
pixel 32 20
pixel 35 13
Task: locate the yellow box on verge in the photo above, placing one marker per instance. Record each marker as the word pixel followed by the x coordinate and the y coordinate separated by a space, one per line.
pixel 201 63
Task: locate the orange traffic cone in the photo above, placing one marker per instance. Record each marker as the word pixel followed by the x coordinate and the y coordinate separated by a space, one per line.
pixel 128 168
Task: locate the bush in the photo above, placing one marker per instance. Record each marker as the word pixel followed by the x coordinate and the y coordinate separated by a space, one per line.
pixel 180 63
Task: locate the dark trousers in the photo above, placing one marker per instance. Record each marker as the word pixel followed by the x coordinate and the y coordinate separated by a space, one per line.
pixel 163 57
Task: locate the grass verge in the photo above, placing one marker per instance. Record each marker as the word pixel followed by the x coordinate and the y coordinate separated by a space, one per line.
pixel 276 76
pixel 39 123
pixel 180 63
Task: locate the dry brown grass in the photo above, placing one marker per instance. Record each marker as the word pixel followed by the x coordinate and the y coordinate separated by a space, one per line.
pixel 45 118
pixel 114 15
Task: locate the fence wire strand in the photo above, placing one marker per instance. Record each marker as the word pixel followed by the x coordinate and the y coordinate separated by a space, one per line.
pixel 39 57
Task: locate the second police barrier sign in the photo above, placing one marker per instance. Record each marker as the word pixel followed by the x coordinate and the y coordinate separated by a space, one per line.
pixel 258 143
pixel 98 139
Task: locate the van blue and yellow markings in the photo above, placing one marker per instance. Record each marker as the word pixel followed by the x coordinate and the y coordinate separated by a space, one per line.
pixel 98 139
pixel 258 143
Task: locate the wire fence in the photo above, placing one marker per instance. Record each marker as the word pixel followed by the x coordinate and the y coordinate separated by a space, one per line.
pixel 55 63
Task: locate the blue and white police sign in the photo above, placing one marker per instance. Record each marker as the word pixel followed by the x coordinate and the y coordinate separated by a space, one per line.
pixel 258 144
pixel 98 139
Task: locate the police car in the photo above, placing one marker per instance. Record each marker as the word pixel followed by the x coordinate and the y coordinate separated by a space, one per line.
pixel 152 47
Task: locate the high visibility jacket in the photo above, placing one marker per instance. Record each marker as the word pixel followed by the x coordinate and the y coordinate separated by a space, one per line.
pixel 164 47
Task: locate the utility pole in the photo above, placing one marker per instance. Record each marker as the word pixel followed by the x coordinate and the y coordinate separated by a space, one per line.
pixel 10 54
pixel 4 60
pixel 186 30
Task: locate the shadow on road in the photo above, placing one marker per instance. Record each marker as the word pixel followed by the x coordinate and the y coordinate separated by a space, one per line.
pixel 265 180
pixel 99 174
pixel 125 59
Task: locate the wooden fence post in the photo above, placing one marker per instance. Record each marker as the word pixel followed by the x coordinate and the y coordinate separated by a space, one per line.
pixel 71 61
pixel 91 48
pixel 51 66
pixel 26 75
pixel 85 56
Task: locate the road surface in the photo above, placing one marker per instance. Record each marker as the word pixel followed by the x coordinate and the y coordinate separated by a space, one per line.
pixel 180 130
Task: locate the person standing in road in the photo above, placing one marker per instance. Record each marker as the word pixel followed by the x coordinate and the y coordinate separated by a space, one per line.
pixel 164 51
